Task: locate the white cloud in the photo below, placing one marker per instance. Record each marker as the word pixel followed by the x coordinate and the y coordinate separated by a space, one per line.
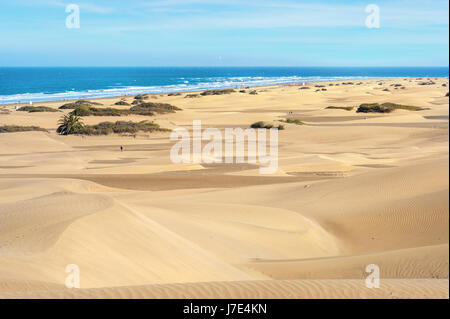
pixel 234 14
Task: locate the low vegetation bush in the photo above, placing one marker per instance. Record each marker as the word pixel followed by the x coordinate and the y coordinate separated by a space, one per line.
pixel 93 111
pixel 160 108
pixel 263 125
pixel 192 96
pixel 293 121
pixel 386 108
pixel 122 102
pixel 218 92
pixel 78 103
pixel 17 128
pixel 144 108
pixel 141 97
pixel 120 127
pixel 427 83
pixel 35 109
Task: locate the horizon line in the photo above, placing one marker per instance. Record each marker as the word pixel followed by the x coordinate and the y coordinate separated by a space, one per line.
pixel 218 66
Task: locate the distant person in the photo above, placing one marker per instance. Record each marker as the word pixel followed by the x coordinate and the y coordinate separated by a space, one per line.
pixel 121 148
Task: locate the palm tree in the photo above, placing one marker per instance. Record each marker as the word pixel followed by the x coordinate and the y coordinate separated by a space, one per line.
pixel 70 124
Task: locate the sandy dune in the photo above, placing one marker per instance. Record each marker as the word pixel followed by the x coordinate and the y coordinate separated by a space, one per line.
pixel 274 289
pixel 352 190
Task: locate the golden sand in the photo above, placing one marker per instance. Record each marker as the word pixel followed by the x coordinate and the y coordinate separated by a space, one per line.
pixel 352 190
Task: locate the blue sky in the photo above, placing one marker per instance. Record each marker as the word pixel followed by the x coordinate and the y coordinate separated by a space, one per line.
pixel 224 33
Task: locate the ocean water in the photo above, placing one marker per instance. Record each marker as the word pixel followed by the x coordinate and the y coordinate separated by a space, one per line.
pixel 25 84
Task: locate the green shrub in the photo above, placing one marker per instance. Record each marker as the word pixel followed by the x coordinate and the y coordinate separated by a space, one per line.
pixel 122 102
pixel 253 92
pixel 261 124
pixel 144 108
pixel 192 96
pixel 386 108
pixel 160 108
pixel 141 97
pixel 93 111
pixel 217 92
pixel 120 127
pixel 74 105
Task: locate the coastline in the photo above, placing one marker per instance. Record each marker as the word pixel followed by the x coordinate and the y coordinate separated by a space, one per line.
pixel 98 99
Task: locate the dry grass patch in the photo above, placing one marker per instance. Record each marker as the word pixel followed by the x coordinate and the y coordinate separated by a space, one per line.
pixel 346 108
pixel 293 121
pixel 217 92
pixel 36 109
pixel 17 128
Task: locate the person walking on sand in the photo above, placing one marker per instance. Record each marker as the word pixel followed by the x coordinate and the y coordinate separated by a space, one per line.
pixel 121 148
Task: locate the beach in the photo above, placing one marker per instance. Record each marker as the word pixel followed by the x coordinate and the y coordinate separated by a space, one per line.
pixel 351 190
